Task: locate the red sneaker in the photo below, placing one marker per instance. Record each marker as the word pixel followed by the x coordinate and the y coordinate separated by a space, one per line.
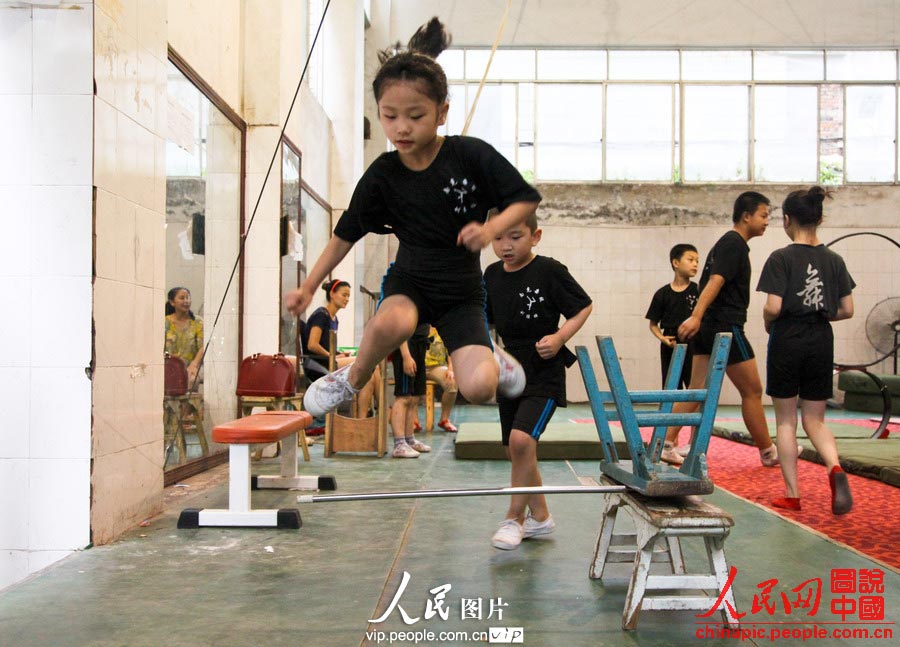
pixel 787 503
pixel 447 426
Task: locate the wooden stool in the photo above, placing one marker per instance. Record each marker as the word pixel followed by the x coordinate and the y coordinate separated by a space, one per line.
pixel 182 414
pixel 669 519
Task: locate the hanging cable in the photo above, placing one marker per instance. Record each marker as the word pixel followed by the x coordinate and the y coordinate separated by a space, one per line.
pixel 487 68
pixel 262 188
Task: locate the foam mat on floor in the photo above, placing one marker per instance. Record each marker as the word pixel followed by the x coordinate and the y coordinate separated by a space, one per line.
pixel 560 441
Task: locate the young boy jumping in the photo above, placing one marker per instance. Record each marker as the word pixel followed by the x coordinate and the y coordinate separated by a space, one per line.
pixel 526 295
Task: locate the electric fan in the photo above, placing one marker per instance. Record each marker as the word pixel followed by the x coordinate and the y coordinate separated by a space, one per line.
pixel 883 328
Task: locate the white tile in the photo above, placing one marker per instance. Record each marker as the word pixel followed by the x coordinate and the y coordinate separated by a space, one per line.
pixel 15 132
pixel 105 142
pixel 151 27
pixel 59 504
pixel 15 51
pixel 15 385
pixel 60 413
pixel 13 484
pixel 13 567
pixel 106 52
pixel 41 559
pixel 61 322
pixel 63 50
pixel 62 139
pixel 123 240
pixel 146 224
pixel 15 223
pixel 61 237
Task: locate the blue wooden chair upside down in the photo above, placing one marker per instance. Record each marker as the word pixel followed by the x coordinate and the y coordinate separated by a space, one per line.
pixel 644 472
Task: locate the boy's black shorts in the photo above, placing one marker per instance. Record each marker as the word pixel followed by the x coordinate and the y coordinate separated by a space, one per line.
pixel 529 414
pixel 455 308
pixel 800 360
pixel 403 383
pixel 740 351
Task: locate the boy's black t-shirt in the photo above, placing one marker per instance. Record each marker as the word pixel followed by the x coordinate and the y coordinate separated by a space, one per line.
pixel 729 258
pixel 525 306
pixel 811 280
pixel 426 209
pixel 669 308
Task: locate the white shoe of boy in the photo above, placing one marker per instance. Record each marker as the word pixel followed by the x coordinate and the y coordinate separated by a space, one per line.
pixel 403 450
pixel 532 527
pixel 329 392
pixel 512 375
pixel 509 535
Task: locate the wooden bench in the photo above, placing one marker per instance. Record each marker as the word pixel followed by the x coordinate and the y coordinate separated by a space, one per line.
pixel 264 429
pixel 667 519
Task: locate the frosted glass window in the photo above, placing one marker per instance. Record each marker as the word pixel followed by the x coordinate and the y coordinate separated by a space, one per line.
pixel 716 66
pixel 639 132
pixel 716 124
pixel 456 116
pixel 786 133
pixel 857 65
pixel 525 159
pixel 569 130
pixel 635 65
pixel 495 116
pixel 508 64
pixel 453 63
pixel 789 66
pixel 571 65
pixel 869 131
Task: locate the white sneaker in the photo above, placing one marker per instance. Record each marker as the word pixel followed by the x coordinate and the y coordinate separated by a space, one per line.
pixel 508 536
pixel 532 527
pixel 329 392
pixel 512 375
pixel 670 455
pixel 402 450
pixel 419 446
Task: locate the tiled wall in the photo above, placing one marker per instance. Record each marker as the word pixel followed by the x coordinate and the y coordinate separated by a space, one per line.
pixel 130 62
pixel 46 70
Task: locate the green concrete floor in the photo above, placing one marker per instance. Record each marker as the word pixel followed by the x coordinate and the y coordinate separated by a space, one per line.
pixel 319 586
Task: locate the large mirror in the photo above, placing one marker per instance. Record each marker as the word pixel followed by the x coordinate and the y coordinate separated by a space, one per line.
pixel 293 242
pixel 203 223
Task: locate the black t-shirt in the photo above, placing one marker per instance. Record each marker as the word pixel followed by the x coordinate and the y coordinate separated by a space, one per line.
pixel 810 280
pixel 320 318
pixel 669 308
pixel 525 306
pixel 426 209
pixel 730 259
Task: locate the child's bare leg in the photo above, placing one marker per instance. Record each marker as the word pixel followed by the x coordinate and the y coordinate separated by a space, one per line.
pixel 745 378
pixel 786 437
pixel 698 380
pixel 522 453
pixel 393 323
pixel 813 416
pixel 476 372
pixel 399 416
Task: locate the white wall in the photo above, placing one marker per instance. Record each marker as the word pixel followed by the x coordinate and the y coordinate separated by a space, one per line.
pixel 46 69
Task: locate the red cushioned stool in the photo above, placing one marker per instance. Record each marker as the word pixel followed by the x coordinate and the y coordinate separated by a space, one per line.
pixel 259 428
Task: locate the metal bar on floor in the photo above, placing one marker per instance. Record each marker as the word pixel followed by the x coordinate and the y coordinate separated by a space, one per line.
pixel 429 494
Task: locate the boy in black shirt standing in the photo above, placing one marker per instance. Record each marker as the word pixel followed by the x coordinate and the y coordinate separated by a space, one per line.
pixel 525 296
pixel 671 304
pixel 722 307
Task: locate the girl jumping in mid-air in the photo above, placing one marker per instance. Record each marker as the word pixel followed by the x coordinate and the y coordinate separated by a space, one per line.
pixel 434 194
pixel 807 286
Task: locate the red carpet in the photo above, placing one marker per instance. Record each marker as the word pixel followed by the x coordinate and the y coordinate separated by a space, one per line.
pixel 872 527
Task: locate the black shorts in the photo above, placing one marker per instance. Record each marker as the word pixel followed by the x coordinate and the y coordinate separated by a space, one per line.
pixel 740 351
pixel 455 308
pixel 529 414
pixel 403 383
pixel 800 360
pixel 665 358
